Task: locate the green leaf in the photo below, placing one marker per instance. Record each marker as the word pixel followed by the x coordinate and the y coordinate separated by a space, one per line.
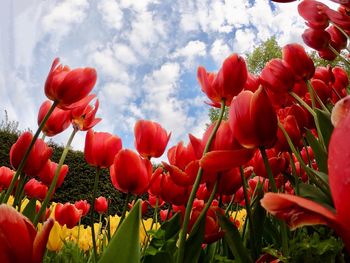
pixel 326 127
pixel 29 210
pixel 125 244
pixel 233 239
pixel 194 242
pixel 314 193
pixel 320 154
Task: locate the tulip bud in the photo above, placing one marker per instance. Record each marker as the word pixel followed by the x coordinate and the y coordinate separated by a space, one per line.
pixel 101 205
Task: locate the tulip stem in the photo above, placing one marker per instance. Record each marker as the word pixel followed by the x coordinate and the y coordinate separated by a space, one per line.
pixel 312 175
pixel 339 55
pixel 206 208
pixel 272 182
pixel 294 172
pixel 97 176
pixel 55 178
pixel 183 232
pixel 127 198
pixel 27 152
pixel 312 96
pixel 302 103
pixel 249 211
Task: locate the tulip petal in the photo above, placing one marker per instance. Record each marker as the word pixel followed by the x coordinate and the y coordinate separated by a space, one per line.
pixel 339 168
pixel 217 161
pixel 297 211
pixel 40 241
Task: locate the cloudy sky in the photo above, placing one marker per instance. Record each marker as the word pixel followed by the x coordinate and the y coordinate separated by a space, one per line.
pixel 146 54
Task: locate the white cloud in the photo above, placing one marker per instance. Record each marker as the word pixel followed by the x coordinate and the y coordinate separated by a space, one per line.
pixel 59 21
pixel 244 41
pixel 111 12
pixel 219 51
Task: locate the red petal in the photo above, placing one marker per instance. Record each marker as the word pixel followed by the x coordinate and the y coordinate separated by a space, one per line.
pixel 217 161
pixel 297 211
pixel 40 241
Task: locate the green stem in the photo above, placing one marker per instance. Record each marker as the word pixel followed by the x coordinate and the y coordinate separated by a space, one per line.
pixel 322 185
pixel 294 172
pixel 312 96
pixel 302 103
pixel 20 189
pixel 27 152
pixel 127 198
pixel 311 88
pixel 206 208
pixel 93 236
pixel 339 55
pixel 272 182
pixel 183 232
pixel 55 178
pixel 249 212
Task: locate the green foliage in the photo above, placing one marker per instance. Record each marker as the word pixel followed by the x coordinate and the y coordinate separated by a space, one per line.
pixel 262 54
pixel 125 244
pixel 70 253
pixel 318 246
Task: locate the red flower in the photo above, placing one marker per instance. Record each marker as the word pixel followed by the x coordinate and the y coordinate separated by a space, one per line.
pixel 130 172
pixel 67 86
pixel 314 13
pixel 298 211
pixel 101 148
pixel 317 39
pixel 35 189
pixel 58 121
pixel 150 139
pixel 212 230
pixel 227 83
pixel 45 215
pixel 6 175
pixel 277 76
pixel 172 192
pixel 19 240
pixel 101 205
pixel 298 60
pixel 47 173
pixel 253 119
pixel 37 158
pixel 83 206
pixel 83 115
pixel 67 214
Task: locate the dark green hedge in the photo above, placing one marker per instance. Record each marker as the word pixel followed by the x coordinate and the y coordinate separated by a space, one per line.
pixel 79 181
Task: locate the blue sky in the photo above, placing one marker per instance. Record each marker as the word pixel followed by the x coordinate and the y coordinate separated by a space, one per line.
pixel 146 54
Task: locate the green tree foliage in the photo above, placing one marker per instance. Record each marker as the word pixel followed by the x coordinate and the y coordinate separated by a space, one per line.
pixel 262 54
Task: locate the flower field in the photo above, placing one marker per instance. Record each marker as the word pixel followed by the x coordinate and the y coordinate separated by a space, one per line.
pixel 269 183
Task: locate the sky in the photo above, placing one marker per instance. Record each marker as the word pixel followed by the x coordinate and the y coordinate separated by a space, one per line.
pixel 146 54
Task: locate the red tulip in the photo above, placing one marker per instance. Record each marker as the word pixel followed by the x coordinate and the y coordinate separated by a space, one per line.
pixel 317 39
pixel 298 60
pixel 83 206
pixel 47 173
pixel 6 175
pixel 277 76
pixel 101 205
pixel 35 189
pixel 101 148
pixel 212 230
pixel 37 158
pixel 183 165
pixel 150 139
pixel 58 121
pixel 298 211
pixel 253 119
pixel 67 86
pixel 227 83
pixel 130 173
pixel 154 186
pixel 173 193
pixel 314 13
pixel 83 115
pixel 67 214
pixel 19 240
